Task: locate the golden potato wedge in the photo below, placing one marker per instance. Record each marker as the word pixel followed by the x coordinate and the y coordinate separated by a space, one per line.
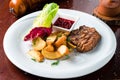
pixel 36 55
pixel 66 33
pixel 39 43
pixel 71 45
pixel 63 49
pixel 51 39
pixel 51 55
pixel 61 40
pixel 49 48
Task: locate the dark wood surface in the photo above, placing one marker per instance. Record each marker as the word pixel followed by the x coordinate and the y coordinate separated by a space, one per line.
pixel 111 71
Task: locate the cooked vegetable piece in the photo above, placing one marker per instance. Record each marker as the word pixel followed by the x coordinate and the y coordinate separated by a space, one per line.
pixel 61 40
pixel 63 49
pixel 36 55
pixel 71 45
pixel 54 46
pixel 51 39
pixel 51 55
pixel 49 48
pixel 66 33
pixel 38 43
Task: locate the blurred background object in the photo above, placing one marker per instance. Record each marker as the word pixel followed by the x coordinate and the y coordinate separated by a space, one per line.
pixel 108 11
pixel 20 7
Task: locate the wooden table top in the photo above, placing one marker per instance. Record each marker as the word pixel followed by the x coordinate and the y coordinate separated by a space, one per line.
pixel 111 71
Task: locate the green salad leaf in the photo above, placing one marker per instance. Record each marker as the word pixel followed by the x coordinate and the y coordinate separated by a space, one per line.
pixel 44 19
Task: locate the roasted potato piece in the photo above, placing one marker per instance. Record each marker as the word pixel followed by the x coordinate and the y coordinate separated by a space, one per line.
pixel 61 40
pixel 51 39
pixel 36 55
pixel 63 49
pixel 54 47
pixel 49 48
pixel 71 45
pixel 38 43
pixel 66 33
pixel 51 55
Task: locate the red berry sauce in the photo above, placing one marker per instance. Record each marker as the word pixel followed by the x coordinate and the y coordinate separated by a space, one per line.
pixel 64 23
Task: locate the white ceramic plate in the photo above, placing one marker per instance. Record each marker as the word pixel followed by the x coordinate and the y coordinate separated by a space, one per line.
pixel 78 65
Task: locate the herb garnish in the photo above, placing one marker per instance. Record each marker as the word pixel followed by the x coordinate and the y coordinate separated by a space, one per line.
pixel 33 59
pixel 66 57
pixel 56 62
pixel 68 39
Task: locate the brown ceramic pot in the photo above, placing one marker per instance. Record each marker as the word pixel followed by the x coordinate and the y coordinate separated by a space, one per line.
pixel 110 8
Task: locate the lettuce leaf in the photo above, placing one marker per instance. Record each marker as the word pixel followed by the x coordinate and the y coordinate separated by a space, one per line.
pixel 44 19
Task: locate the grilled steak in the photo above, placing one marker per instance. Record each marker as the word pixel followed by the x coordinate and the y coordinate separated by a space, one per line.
pixel 85 38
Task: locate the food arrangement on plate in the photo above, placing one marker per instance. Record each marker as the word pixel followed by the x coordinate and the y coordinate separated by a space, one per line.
pixel 53 44
pixel 83 46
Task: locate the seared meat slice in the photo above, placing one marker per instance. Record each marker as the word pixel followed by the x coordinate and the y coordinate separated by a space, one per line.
pixel 85 38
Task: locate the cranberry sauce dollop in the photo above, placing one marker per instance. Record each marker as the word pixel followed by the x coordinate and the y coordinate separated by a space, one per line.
pixel 64 23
